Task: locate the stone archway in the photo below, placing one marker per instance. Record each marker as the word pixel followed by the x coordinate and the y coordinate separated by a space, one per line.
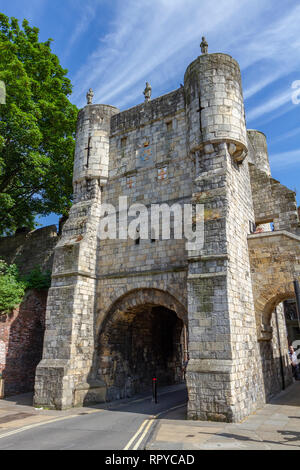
pixel 273 343
pixel 275 262
pixel 271 298
pixel 141 337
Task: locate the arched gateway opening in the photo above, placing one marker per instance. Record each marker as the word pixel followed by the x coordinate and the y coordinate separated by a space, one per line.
pixel 142 337
pixel 275 340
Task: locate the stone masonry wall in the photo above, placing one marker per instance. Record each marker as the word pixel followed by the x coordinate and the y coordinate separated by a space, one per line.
pixel 273 202
pixel 148 164
pixel 21 343
pixel 29 250
pixel 69 338
pixel 258 150
pixel 275 262
pixel 22 332
pixel 277 373
pixel 223 375
pixel 246 372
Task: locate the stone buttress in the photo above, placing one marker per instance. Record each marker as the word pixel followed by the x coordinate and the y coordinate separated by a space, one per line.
pixel 62 377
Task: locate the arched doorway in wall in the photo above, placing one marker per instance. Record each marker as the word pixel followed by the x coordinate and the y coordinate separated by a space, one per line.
pixel 142 337
pixel 276 369
pixel 292 320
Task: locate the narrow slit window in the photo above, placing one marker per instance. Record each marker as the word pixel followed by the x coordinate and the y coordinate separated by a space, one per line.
pixel 169 126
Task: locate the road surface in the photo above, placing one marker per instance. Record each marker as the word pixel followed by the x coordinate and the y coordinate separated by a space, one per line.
pixel 116 426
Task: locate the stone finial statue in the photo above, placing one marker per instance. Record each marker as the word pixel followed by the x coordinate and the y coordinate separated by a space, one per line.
pixel 204 46
pixel 148 92
pixel 90 96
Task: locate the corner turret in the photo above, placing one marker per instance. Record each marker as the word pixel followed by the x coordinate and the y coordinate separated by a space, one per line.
pixel 215 107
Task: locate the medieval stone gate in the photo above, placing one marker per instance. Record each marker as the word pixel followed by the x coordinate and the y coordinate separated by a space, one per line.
pixel 112 302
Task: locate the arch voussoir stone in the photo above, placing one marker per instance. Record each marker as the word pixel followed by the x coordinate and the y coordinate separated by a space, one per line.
pixel 143 297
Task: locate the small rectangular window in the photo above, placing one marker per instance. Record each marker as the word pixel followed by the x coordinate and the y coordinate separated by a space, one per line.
pixel 169 126
pixel 123 142
pixel 252 227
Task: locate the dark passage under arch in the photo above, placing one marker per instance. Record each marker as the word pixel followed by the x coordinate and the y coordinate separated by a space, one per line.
pixel 138 344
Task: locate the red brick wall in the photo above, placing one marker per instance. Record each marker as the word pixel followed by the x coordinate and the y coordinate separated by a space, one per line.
pixel 21 343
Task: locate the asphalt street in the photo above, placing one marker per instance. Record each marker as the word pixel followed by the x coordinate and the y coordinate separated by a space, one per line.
pixel 116 426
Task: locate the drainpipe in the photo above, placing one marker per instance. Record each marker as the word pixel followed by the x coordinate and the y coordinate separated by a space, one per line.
pixel 297 293
pixel 185 343
pixel 280 352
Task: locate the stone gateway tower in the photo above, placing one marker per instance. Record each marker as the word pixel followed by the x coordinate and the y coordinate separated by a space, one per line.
pixel 121 310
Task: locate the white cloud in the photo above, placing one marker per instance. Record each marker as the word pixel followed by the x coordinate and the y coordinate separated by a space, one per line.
pixel 257 86
pixel 270 105
pixel 285 159
pixel 155 40
pixel 86 12
pixel 286 135
pixel 274 47
pixel 148 39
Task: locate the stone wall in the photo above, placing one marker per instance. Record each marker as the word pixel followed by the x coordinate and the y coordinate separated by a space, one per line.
pixel 70 319
pixel 29 250
pixel 273 202
pixel 275 263
pixel 21 343
pixel 258 150
pixel 276 369
pixel 148 164
pixel 22 332
pixel 223 378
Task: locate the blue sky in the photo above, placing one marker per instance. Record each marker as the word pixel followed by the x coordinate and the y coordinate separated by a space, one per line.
pixel 114 46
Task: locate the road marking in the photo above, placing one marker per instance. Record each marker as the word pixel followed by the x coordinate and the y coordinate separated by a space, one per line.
pixel 141 432
pixel 144 434
pixel 31 426
pixel 136 434
pixel 55 420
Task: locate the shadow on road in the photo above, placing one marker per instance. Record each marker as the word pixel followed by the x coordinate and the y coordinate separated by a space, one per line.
pixel 168 397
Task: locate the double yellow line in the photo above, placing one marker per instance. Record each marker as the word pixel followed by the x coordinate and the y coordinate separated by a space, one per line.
pixel 137 438
pixel 145 428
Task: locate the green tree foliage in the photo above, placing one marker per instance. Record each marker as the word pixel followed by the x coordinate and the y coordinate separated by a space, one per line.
pixel 12 289
pixel 13 286
pixel 37 279
pixel 37 128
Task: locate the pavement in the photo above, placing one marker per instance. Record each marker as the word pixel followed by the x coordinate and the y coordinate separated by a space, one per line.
pixel 138 423
pixel 276 426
